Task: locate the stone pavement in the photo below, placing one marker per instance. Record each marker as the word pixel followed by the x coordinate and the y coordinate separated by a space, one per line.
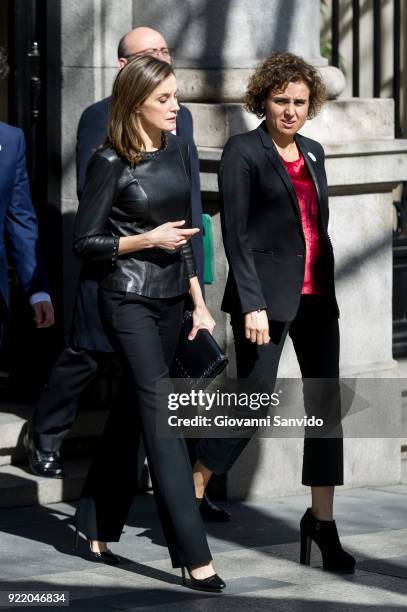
pixel 256 554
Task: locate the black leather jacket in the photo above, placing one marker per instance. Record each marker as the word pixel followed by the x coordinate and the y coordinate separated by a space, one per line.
pixel 120 200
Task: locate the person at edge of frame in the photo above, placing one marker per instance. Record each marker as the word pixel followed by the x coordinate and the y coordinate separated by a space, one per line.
pixel 89 349
pixel 19 229
pixel 274 215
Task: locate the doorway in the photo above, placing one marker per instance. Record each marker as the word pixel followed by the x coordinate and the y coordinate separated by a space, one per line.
pixel 29 96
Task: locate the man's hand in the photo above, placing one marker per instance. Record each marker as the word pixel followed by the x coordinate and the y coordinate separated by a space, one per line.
pixel 256 327
pixel 43 314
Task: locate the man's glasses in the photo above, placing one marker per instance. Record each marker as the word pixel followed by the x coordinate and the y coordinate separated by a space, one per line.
pixel 163 51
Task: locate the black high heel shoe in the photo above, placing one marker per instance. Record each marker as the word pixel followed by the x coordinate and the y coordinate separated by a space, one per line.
pixel 210 512
pixel 213 584
pixel 325 536
pixel 98 557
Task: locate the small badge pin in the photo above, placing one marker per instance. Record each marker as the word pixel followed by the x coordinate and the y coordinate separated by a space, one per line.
pixel 312 156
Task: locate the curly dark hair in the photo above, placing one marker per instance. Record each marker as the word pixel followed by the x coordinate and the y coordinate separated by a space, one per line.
pixel 275 73
pixel 4 69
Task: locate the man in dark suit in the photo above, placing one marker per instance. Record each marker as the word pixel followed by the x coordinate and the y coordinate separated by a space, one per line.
pixel 18 225
pixel 89 348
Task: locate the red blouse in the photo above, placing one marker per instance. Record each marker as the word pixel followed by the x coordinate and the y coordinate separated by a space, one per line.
pixel 314 277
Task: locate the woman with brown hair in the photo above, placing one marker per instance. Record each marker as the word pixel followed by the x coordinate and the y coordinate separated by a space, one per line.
pixel 133 223
pixel 274 212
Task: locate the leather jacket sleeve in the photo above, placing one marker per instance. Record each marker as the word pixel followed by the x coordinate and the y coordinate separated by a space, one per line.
pixel 91 240
pixel 189 259
pixel 235 192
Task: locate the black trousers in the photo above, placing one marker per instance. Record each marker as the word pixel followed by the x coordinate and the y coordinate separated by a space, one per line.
pixel 315 336
pixel 144 332
pixel 56 409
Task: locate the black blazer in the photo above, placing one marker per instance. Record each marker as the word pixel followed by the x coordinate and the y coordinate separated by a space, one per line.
pixel 119 201
pixel 261 225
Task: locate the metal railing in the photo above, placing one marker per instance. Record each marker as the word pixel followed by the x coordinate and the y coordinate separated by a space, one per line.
pixel 376 51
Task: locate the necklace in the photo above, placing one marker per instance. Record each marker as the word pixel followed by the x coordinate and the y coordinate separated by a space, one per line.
pixel 157 152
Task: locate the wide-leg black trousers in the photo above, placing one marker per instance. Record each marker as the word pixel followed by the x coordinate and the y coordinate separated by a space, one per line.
pixel 315 336
pixel 56 409
pixel 144 332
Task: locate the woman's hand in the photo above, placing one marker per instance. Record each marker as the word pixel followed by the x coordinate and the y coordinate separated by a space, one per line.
pixel 169 236
pixel 256 327
pixel 201 319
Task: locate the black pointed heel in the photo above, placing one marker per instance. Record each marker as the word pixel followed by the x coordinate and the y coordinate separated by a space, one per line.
pixel 210 512
pixel 98 557
pixel 76 545
pixel 213 584
pixel 325 536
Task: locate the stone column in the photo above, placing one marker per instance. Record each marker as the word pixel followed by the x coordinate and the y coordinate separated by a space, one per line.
pixel 217 43
pixel 90 33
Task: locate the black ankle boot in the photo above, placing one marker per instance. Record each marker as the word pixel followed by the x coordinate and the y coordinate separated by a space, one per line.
pixel 325 535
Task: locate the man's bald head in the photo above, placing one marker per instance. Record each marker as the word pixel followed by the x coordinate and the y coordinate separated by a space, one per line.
pixel 140 40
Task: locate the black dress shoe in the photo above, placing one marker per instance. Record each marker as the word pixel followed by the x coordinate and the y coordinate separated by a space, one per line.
pixel 42 463
pixel 325 536
pixel 212 513
pixel 213 584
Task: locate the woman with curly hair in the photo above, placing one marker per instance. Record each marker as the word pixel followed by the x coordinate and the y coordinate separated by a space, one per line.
pixel 274 212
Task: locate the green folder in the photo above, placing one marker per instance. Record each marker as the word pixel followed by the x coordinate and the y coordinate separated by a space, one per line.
pixel 209 265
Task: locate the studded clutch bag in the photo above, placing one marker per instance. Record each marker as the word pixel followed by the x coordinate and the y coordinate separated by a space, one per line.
pixel 200 360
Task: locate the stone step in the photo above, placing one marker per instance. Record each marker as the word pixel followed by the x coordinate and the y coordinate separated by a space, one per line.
pixel 18 487
pixel 13 418
pixel 404 466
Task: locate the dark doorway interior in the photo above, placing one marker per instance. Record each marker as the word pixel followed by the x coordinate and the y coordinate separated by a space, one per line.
pixel 4 43
pixel 29 31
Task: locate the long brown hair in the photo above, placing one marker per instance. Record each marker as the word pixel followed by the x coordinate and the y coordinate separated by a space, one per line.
pixel 131 87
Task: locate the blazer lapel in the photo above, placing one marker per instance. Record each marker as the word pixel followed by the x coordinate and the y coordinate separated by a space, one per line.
pixel 312 165
pixel 274 157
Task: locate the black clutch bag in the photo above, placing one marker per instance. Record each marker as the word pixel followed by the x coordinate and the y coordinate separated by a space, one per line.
pixel 200 360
